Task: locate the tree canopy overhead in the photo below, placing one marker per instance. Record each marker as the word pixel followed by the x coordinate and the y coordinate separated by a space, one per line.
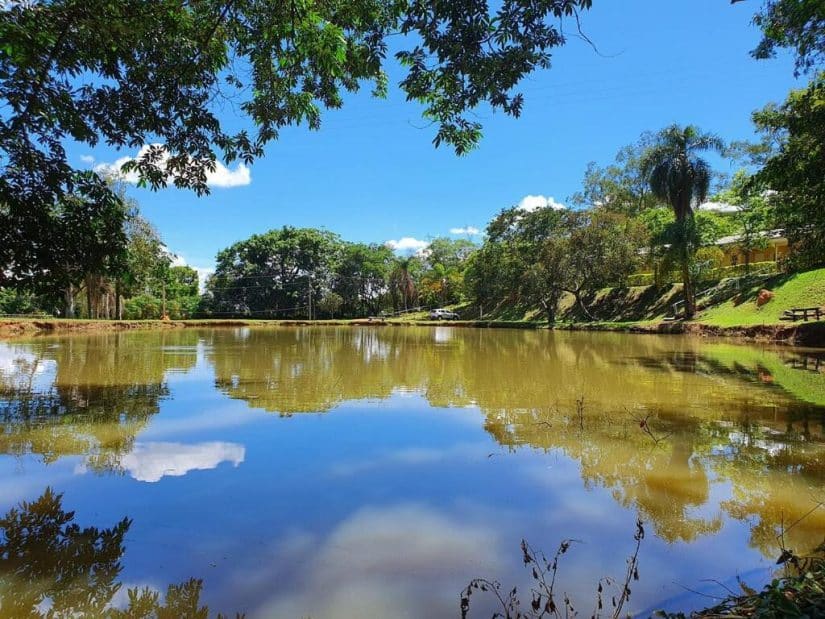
pixel 150 73
pixel 795 24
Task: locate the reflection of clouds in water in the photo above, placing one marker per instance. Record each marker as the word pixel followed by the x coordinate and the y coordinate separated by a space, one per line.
pixel 21 369
pixel 411 456
pixel 243 333
pixel 152 461
pixel 402 561
pixel 442 335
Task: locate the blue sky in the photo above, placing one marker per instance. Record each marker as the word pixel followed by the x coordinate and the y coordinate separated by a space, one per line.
pixel 372 174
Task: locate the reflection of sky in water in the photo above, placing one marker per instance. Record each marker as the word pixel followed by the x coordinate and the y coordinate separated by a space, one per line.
pixel 387 507
pixel 442 335
pixel 25 369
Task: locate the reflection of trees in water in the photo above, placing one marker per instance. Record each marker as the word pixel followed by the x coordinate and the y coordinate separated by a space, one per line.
pixel 46 559
pixel 100 423
pixel 313 370
pixel 310 370
pixel 52 567
pixel 100 392
pixel 663 480
pixel 775 475
pixel 701 396
pixel 773 457
pixel 776 478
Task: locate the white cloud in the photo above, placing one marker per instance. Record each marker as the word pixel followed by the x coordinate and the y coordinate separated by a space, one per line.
pixel 719 207
pixel 532 203
pixel 221 176
pixel 378 563
pixel 471 230
pixel 407 244
pixel 87 159
pixel 226 178
pixel 152 461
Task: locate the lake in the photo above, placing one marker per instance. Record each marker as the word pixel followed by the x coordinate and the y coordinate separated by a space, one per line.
pixel 373 472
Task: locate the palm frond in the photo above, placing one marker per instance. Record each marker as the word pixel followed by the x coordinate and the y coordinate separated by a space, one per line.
pixel 701 180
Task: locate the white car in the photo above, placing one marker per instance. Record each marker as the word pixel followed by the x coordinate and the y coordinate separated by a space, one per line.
pixel 442 314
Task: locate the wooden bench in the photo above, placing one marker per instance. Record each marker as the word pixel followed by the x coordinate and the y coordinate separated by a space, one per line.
pixel 803 313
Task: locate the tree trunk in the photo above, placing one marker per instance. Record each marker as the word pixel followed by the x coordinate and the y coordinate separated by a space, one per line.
pixel 550 309
pixel 687 286
pixel 583 307
pixel 683 216
pixel 88 298
pixel 68 302
pixel 118 303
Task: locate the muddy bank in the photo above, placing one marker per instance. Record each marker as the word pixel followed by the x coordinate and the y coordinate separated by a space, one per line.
pixel 53 326
pixel 17 328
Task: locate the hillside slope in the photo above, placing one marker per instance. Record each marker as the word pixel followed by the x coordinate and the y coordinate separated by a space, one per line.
pixel 797 290
pixel 729 303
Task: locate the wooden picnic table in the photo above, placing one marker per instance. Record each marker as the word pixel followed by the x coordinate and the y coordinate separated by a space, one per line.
pixel 803 313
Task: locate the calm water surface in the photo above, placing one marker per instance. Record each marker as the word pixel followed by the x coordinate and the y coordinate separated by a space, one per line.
pixel 360 472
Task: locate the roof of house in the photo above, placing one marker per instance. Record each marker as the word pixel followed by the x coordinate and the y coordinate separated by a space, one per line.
pixel 719 207
pixel 771 235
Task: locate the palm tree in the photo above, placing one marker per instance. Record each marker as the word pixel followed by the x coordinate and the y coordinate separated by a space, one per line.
pixel 401 280
pixel 681 179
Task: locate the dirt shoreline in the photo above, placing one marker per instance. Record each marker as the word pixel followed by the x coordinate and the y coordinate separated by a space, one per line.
pixel 810 334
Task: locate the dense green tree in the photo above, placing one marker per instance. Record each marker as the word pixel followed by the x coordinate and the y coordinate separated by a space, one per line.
pixel 20 301
pixel 450 253
pixel 148 271
pixel 181 291
pixel 513 266
pixel 183 282
pixel 330 304
pixel 274 274
pixel 681 179
pixel 795 169
pixel 53 250
pixel 601 250
pixel 795 24
pixel 527 272
pixel 361 278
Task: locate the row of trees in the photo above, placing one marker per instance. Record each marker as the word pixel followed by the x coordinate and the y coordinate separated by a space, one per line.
pixel 305 272
pixel 103 260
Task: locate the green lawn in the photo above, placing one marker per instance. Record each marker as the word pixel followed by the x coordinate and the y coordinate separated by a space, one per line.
pixel 798 290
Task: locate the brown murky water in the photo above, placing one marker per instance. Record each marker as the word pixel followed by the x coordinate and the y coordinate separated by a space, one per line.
pixel 360 472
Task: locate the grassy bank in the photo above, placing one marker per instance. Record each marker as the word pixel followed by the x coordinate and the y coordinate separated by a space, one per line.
pixel 790 291
pixel 728 309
